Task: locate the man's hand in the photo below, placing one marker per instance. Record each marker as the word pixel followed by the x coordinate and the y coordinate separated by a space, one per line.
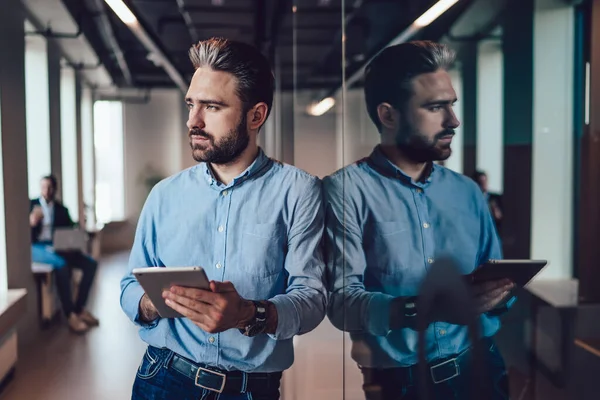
pixel 147 311
pixel 489 294
pixel 36 216
pixel 213 311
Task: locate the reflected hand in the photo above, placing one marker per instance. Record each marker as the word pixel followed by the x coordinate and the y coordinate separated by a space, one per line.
pixel 489 294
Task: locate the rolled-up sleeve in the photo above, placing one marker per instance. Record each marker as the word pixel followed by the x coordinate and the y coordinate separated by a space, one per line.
pixel 302 307
pixel 142 255
pixel 351 308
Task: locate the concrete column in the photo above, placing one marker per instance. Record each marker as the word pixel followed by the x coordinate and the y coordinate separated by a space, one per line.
pixel 17 259
pixel 68 137
pixel 518 127
pixel 54 58
pixel 468 58
pixel 552 162
pixel 589 192
pixel 79 148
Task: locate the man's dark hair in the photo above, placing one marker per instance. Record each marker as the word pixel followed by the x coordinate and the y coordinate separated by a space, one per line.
pixel 477 175
pixel 52 180
pixel 388 77
pixel 255 80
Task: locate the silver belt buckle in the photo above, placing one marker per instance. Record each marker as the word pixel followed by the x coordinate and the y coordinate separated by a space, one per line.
pixel 456 373
pixel 223 376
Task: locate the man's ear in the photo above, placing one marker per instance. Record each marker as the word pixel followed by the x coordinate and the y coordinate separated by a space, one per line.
pixel 388 116
pixel 257 116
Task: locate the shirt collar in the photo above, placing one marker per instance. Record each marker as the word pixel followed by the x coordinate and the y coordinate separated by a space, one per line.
pixel 381 163
pixel 44 203
pixel 257 165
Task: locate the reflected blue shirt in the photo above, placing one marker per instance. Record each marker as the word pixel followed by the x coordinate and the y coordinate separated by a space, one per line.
pixel 383 230
pixel 262 232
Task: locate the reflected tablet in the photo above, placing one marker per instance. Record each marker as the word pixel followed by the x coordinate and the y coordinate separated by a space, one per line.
pixel 156 279
pixel 518 271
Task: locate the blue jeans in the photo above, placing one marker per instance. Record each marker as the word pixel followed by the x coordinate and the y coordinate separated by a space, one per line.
pixel 42 253
pixel 156 380
pixel 384 385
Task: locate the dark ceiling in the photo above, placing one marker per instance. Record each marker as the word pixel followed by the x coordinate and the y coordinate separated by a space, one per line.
pixel 304 46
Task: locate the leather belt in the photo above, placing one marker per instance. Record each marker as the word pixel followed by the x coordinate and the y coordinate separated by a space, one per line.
pixel 220 381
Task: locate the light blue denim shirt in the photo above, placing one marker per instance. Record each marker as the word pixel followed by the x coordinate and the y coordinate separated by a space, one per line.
pixel 383 230
pixel 262 232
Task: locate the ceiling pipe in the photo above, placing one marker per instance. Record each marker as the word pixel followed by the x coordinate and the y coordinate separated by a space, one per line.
pixel 156 53
pixel 107 33
pixel 424 20
pixel 188 21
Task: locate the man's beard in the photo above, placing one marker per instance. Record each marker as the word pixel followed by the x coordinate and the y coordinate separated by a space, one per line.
pixel 226 151
pixel 420 148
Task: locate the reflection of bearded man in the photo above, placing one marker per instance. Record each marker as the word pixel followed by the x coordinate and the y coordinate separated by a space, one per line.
pixel 419 147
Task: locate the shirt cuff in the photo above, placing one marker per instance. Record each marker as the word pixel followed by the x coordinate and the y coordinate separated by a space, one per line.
pixel 288 321
pixel 378 314
pixel 134 296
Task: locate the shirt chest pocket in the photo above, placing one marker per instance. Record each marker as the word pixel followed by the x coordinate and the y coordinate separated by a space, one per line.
pixel 388 245
pixel 263 249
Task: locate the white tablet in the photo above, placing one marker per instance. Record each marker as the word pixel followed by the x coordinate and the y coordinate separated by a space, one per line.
pixel 155 280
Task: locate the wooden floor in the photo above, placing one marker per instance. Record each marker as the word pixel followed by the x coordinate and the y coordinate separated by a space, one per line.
pixel 98 365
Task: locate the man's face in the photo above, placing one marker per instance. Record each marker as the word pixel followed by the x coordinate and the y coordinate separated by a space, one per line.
pixel 482 181
pixel 428 121
pixel 217 122
pixel 47 190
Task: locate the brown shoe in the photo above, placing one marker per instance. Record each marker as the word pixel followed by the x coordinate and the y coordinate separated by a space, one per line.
pixel 88 318
pixel 77 325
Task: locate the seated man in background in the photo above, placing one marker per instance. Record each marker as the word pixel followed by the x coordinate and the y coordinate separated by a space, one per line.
pixel 494 200
pixel 46 214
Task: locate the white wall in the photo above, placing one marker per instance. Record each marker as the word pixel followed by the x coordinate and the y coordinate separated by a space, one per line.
pixel 68 142
pixel 490 109
pixel 552 164
pixel 455 161
pixel 314 137
pixel 358 135
pixel 155 144
pixel 37 112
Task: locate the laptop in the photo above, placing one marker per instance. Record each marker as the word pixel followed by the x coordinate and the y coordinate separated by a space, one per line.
pixel 69 239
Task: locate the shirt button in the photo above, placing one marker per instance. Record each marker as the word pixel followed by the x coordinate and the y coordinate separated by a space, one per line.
pixel 425 225
pixel 419 190
pixel 211 339
pixel 225 193
pixel 430 260
pixel 221 228
pixel 442 332
pixel 218 265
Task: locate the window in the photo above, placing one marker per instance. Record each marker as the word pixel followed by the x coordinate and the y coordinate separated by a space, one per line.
pixel 108 145
pixel 37 111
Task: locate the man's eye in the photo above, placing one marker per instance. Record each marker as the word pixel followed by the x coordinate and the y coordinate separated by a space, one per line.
pixel 189 105
pixel 435 108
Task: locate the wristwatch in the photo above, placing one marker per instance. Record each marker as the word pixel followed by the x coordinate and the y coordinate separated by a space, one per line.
pixel 410 308
pixel 259 323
